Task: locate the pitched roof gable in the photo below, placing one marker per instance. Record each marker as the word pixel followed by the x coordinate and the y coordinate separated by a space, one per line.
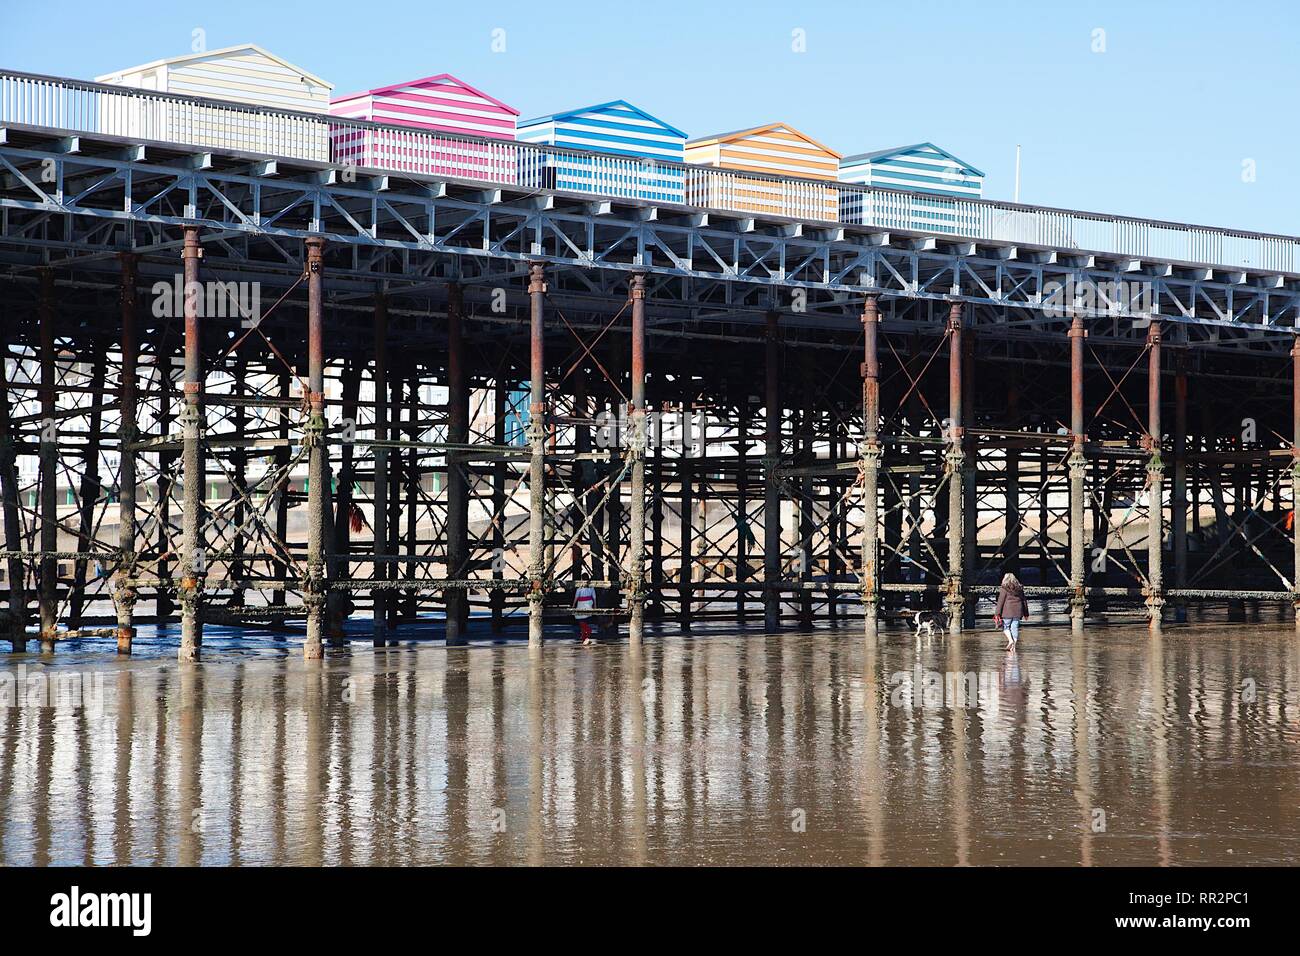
pixel 584 110
pixel 898 150
pixel 758 131
pixel 392 87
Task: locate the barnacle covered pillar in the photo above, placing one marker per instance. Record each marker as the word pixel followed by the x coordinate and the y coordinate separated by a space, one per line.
pixel 637 452
pixel 870 453
pixel 49 468
pixel 124 596
pixel 457 479
pixel 192 564
pixel 1078 465
pixel 317 464
pixel 379 495
pixel 537 449
pixel 1295 475
pixel 1155 484
pixel 954 593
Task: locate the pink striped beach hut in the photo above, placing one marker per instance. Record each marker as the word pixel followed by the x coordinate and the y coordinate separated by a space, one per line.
pixel 438 110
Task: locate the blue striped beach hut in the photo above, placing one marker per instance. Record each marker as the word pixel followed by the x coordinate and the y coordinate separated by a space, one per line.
pixel 633 145
pixel 936 179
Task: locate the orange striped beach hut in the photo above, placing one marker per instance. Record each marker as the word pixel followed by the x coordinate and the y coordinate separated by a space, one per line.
pixel 754 158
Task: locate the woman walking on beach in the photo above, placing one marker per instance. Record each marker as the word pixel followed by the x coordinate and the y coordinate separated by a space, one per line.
pixel 1012 608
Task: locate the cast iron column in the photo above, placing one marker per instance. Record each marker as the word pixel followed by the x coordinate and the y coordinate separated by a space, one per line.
pixel 637 452
pixel 1155 484
pixel 870 465
pixel 13 537
pixel 1295 475
pixel 49 468
pixel 193 560
pixel 1078 466
pixel 537 447
pixel 379 494
pixel 457 481
pixel 955 591
pixel 314 439
pixel 125 596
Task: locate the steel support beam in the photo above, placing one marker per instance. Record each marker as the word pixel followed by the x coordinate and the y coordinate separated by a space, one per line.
pixel 686 574
pixel 193 557
pixel 1155 485
pixel 497 599
pixel 1295 478
pixel 379 493
pixel 457 477
pixel 969 474
pixel 317 462
pixel 537 572
pixel 49 467
pixel 9 502
pixel 637 452
pixel 870 454
pixel 1078 465
pixel 955 590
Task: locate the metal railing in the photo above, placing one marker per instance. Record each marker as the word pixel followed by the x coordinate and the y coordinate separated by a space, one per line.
pixel 77 106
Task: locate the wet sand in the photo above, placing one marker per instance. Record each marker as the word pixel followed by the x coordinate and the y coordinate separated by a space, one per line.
pixel 713 749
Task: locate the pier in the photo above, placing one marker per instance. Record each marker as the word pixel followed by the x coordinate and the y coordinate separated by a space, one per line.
pixel 244 382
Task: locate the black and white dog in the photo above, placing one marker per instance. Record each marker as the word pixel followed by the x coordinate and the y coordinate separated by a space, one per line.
pixel 931 624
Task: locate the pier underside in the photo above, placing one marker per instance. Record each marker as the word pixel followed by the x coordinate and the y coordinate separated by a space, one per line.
pixel 478 448
pixel 239 393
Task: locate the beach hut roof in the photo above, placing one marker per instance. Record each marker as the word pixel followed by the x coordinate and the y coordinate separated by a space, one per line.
pixel 429 80
pixel 207 54
pixel 758 131
pixel 582 111
pixel 884 153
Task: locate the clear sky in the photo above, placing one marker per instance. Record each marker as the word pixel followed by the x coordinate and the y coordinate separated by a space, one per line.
pixel 1177 109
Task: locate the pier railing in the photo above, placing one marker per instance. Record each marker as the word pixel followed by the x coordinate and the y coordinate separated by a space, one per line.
pixel 77 106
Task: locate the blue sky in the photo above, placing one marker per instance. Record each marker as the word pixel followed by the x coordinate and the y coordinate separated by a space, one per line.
pixel 1157 124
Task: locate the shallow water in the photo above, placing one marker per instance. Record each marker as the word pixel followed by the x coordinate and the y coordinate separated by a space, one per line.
pixel 719 749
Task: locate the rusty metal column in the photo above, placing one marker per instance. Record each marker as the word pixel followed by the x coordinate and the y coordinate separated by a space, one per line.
pixel 1078 466
pixel 314 439
pixel 13 537
pixel 1155 485
pixel 686 574
pixel 537 447
pixel 969 474
pixel 1178 502
pixel 497 599
pixel 193 562
pixel 954 595
pixel 1295 476
pixel 457 480
pixel 637 451
pixel 125 595
pixel 870 453
pixel 49 468
pixel 379 494
pixel 772 484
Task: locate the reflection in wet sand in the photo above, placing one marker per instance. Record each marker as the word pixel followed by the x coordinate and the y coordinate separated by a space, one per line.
pixel 1112 748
